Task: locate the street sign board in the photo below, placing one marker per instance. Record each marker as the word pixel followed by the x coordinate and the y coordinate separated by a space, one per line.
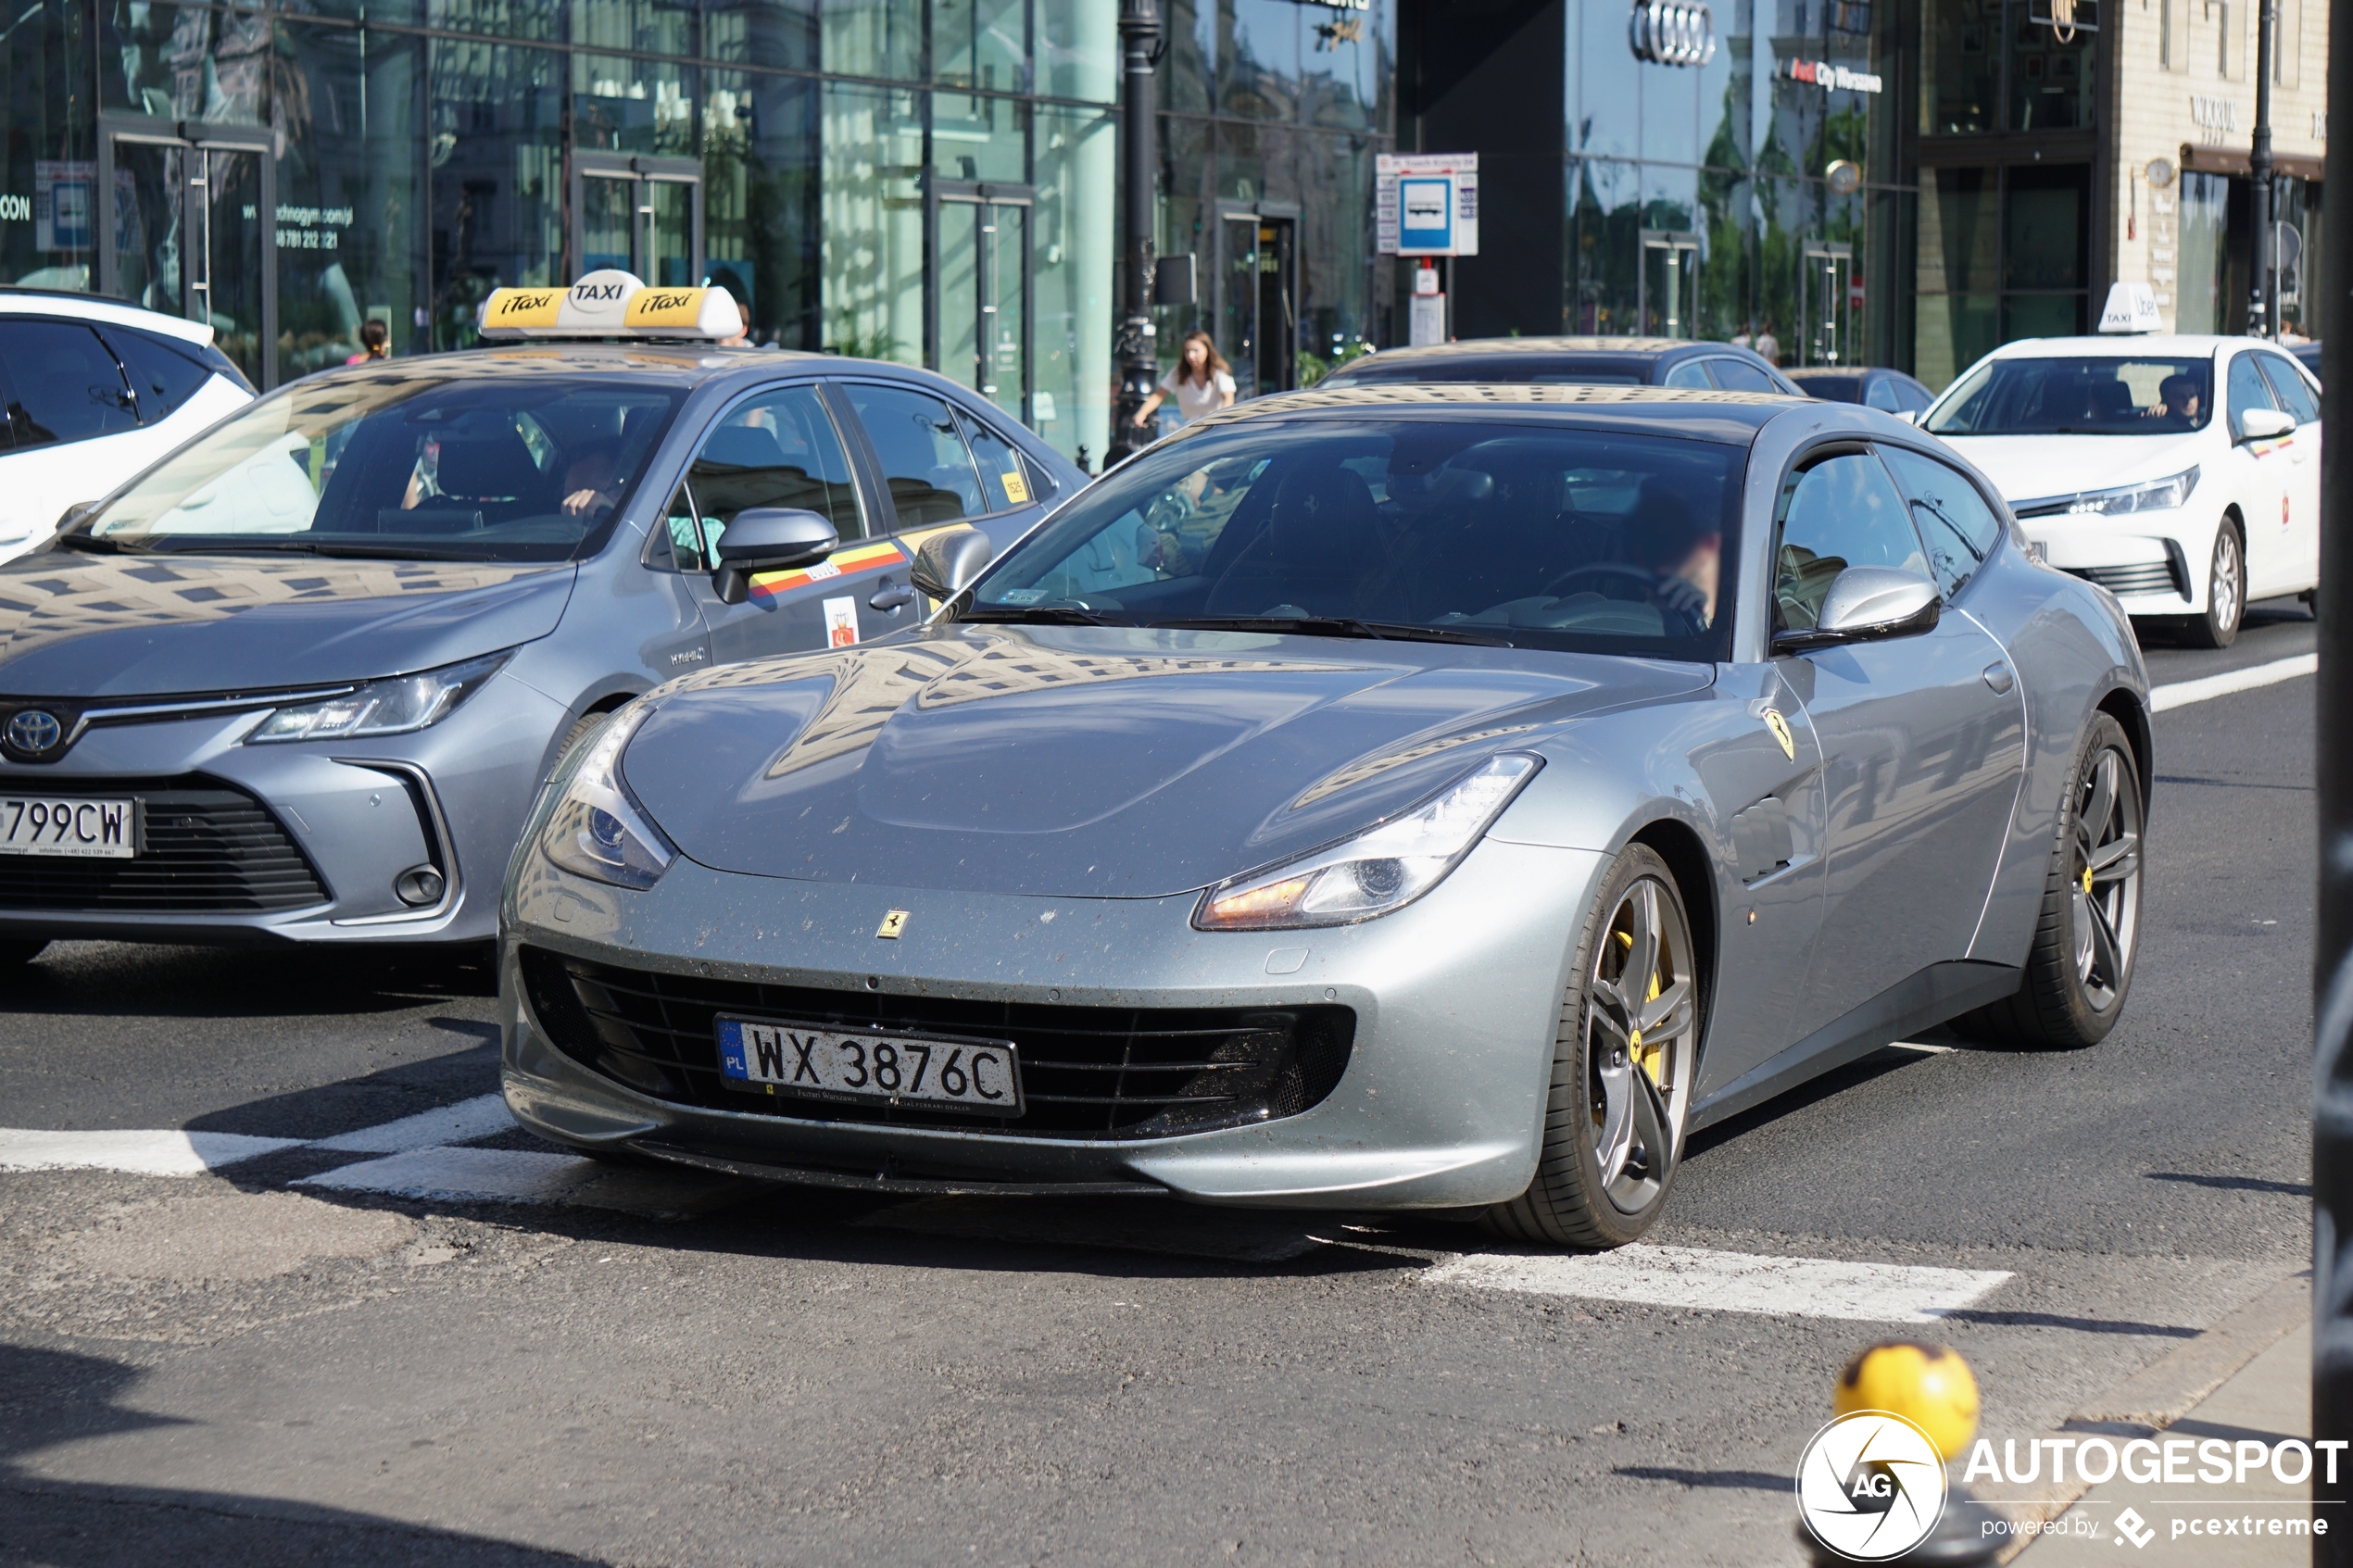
pixel 1426 204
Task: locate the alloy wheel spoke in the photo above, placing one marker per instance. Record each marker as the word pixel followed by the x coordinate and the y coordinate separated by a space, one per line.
pixel 2105 950
pixel 2093 820
pixel 2116 859
pixel 1614 1141
pixel 1668 1014
pixel 1642 960
pixel 1610 1017
pixel 1654 1126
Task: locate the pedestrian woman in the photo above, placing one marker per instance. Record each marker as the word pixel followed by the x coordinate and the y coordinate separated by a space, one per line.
pixel 375 343
pixel 1200 381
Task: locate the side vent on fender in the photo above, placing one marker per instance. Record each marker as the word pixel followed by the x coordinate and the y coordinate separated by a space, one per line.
pixel 1761 839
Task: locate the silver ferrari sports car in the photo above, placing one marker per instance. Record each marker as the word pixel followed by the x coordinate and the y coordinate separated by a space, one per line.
pixel 1425 796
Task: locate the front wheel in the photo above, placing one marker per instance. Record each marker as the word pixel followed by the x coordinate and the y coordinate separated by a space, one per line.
pixel 1625 1060
pixel 2225 592
pixel 2080 965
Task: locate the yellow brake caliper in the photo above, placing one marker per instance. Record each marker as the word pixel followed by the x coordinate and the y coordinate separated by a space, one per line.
pixel 1645 1057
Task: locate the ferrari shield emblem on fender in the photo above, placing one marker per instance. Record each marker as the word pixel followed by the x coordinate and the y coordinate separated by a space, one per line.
pixel 892 924
pixel 1780 726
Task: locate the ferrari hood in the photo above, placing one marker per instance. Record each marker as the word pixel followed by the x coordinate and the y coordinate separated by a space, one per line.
pixel 83 626
pixel 2031 468
pixel 1089 762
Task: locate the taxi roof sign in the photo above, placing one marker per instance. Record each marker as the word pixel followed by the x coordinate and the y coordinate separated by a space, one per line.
pixel 2132 307
pixel 612 304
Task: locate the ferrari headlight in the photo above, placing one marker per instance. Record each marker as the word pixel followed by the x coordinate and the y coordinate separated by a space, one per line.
pixel 598 830
pixel 2159 494
pixel 1383 868
pixel 384 707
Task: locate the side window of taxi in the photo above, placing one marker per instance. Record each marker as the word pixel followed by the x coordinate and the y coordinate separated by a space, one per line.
pixel 1005 481
pixel 2289 387
pixel 922 454
pixel 2246 391
pixel 779 449
pixel 1959 529
pixel 1835 512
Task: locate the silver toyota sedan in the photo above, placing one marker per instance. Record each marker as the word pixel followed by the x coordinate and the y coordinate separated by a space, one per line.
pixel 1425 796
pixel 302 680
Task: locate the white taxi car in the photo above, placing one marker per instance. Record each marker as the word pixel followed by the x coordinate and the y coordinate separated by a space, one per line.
pixel 2182 474
pixel 93 391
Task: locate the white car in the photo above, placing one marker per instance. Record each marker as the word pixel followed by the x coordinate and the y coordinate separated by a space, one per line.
pixel 96 391
pixel 2125 468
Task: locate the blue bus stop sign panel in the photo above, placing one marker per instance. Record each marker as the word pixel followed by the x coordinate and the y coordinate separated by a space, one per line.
pixel 1425 213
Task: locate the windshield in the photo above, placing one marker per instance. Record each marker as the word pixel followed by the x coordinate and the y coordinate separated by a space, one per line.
pixel 2077 396
pixel 513 468
pixel 1443 529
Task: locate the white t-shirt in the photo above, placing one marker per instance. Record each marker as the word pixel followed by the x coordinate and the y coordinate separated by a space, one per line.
pixel 1195 398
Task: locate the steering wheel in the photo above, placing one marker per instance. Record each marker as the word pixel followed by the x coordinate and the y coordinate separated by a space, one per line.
pixel 1605 571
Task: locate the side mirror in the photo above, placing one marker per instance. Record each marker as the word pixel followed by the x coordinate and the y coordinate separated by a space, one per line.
pixel 769 539
pixel 947 563
pixel 2262 424
pixel 1868 604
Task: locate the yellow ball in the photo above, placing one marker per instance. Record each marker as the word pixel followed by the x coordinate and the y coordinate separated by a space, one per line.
pixel 1928 1384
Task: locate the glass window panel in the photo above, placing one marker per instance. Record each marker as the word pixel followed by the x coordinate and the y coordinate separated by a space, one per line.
pixel 2205 231
pixel 2288 389
pixel 47 55
pixel 1951 333
pixel 1605 199
pixel 1331 178
pixel 1840 512
pixel 2041 315
pixel 982 44
pixel 873 222
pixel 495 180
pixel 874 38
pixel 978 138
pixel 63 383
pixel 2044 221
pixel 1608 95
pixel 763 32
pixel 1350 61
pixel 633 106
pixel 1958 527
pixel 777 450
pixel 164 372
pixel 1960 65
pixel 923 459
pixel 2246 389
pixel 1188 72
pixel 1078 51
pixel 1724 89
pixel 2050 81
pixel 1070 400
pixel 1725 262
pixel 760 202
pixel 1959 232
pixel 1670 106
pixel 350 185
pixel 1004 482
pixel 1260 49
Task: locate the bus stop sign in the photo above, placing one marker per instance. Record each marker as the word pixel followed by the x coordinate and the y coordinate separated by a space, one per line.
pixel 1426 204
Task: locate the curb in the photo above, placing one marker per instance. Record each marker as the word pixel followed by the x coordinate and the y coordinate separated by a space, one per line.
pixel 2166 1390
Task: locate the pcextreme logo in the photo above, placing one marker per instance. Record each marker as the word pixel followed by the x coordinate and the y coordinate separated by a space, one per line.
pixel 1870 1485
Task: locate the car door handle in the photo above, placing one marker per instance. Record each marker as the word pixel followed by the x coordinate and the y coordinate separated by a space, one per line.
pixel 892 598
pixel 1997 676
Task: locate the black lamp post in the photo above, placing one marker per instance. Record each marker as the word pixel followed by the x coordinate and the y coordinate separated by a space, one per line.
pixel 1137 353
pixel 2263 309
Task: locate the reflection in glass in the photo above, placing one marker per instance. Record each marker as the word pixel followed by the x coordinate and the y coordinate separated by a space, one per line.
pixel 761 211
pixel 982 44
pixel 1960 65
pixel 873 222
pixel 1070 402
pixel 978 138
pixel 1258 53
pixel 633 106
pixel 874 38
pixel 763 32
pixel 496 180
pixel 1079 50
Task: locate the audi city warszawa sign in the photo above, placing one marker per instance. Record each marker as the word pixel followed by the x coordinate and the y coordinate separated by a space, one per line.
pixel 1672 32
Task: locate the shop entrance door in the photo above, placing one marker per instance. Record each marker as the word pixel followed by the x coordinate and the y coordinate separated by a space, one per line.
pixel 1256 309
pixel 1668 294
pixel 192 229
pixel 639 215
pixel 1829 313
pixel 982 273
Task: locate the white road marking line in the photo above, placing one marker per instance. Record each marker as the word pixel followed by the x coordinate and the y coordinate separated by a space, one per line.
pixel 2207 687
pixel 461 1122
pixel 1923 1046
pixel 1730 1282
pixel 138 1151
pixel 513 1176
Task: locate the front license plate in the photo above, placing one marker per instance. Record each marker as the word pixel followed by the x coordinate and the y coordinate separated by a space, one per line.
pixel 763 1055
pixel 90 830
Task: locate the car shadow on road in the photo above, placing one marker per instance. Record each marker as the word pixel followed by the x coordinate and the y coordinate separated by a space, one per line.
pixel 115 979
pixel 57 1397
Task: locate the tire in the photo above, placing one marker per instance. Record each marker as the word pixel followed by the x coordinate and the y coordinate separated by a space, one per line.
pixel 16 952
pixel 580 727
pixel 2225 592
pixel 1609 1159
pixel 2080 969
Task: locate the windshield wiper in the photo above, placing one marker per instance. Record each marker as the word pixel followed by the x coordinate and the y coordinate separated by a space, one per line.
pixel 1044 615
pixel 218 544
pixel 1335 626
pixel 91 542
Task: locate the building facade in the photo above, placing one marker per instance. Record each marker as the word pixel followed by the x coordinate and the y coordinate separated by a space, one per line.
pixel 1898 181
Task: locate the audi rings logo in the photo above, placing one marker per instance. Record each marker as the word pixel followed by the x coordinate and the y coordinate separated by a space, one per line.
pixel 1672 33
pixel 35 731
pixel 1872 1486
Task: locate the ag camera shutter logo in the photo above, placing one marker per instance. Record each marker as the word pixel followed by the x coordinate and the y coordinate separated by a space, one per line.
pixel 1870 1485
pixel 1672 32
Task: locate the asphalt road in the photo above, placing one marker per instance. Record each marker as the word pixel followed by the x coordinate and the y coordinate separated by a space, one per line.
pixel 231 1366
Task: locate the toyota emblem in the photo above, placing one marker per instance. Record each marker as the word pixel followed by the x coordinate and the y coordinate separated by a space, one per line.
pixel 34 730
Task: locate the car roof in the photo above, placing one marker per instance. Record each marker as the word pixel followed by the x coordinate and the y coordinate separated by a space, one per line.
pixel 2121 346
pixel 1708 412
pixel 17 301
pixel 1479 347
pixel 674 364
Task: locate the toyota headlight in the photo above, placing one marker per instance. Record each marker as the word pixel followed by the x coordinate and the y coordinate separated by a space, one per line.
pixel 1383 868
pixel 598 830
pixel 384 707
pixel 2159 494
